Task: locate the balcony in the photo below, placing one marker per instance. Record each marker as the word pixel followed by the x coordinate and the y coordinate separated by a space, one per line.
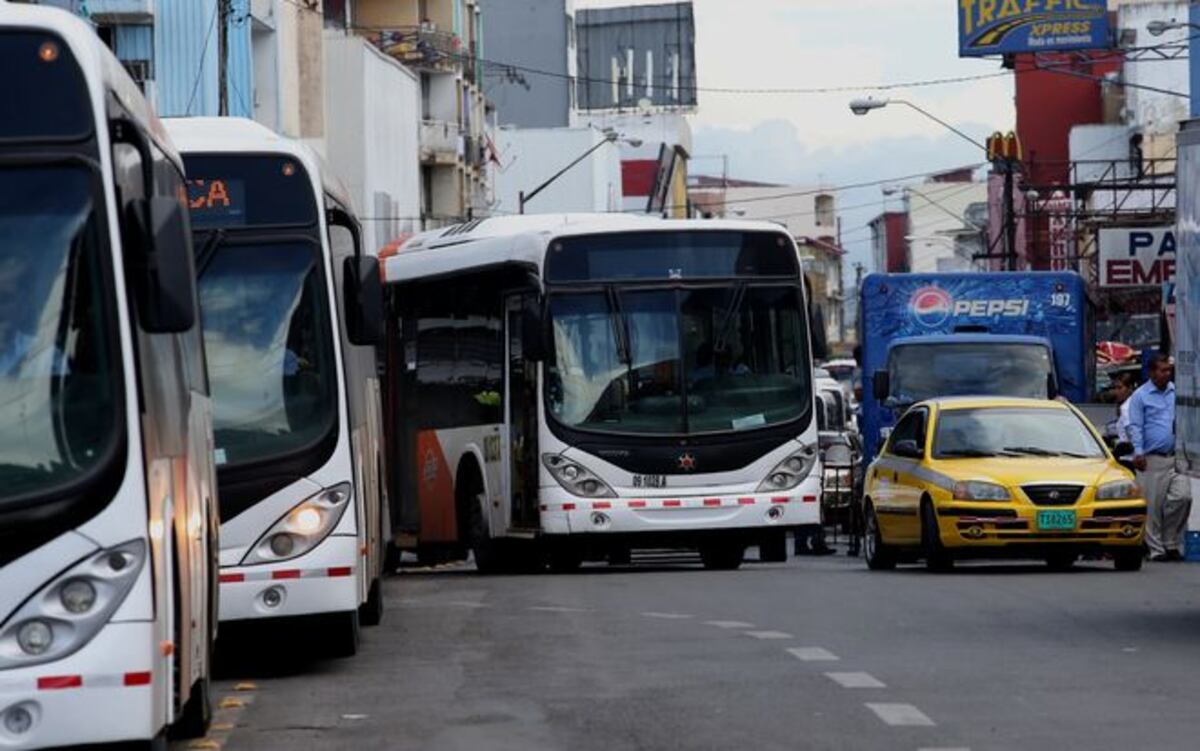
pixel 442 143
pixel 421 47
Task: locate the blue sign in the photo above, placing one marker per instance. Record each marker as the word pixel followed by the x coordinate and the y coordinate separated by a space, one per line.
pixel 1001 27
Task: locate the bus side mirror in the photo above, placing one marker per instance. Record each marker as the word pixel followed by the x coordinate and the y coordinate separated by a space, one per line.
pixel 363 293
pixel 533 336
pixel 881 385
pixel 158 231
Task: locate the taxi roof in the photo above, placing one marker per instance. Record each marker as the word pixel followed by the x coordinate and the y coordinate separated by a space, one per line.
pixel 992 402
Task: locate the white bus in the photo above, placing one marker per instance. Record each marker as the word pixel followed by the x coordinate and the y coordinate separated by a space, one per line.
pixel 599 384
pixel 291 312
pixel 107 490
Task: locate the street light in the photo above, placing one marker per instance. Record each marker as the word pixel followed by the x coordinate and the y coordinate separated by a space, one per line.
pixel 1158 28
pixel 610 136
pixel 862 107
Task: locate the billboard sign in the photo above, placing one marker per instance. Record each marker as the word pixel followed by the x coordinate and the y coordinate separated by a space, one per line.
pixel 1136 256
pixel 1002 27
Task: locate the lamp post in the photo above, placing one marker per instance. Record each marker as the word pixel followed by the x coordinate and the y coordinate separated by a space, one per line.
pixel 862 107
pixel 610 136
pixel 1158 28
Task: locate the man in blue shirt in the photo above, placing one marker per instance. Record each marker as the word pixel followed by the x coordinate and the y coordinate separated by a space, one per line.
pixel 1152 431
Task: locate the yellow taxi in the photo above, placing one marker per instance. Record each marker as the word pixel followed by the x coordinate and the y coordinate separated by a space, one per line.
pixel 994 477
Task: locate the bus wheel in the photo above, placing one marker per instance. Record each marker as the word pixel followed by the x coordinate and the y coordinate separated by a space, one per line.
pixel 391 558
pixel 564 559
pixel 196 716
pixel 722 556
pixel 343 632
pixel 773 548
pixel 488 558
pixel 370 613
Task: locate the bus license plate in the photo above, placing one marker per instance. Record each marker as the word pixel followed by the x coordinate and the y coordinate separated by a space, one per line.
pixel 649 481
pixel 1056 520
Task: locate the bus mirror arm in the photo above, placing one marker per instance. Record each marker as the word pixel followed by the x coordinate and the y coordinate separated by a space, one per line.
pixel 159 240
pixel 533 331
pixel 363 293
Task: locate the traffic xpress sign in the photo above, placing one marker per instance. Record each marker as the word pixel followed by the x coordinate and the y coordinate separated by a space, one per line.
pixel 1137 257
pixel 998 27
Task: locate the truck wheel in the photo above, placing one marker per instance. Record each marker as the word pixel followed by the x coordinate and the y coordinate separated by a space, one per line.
pixel 937 558
pixel 880 556
pixel 370 613
pixel 343 632
pixel 773 548
pixel 722 556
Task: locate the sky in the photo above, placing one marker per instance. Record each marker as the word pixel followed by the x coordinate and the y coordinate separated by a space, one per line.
pixel 814 138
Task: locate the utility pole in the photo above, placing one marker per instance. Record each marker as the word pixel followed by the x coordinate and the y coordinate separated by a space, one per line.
pixel 1010 219
pixel 224 12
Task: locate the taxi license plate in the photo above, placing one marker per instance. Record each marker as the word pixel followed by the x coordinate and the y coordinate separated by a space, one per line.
pixel 1056 520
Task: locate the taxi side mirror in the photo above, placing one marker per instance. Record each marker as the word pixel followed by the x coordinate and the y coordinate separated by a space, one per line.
pixel 908 450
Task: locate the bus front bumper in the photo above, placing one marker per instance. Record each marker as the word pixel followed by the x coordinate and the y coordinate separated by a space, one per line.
pixel 110 691
pixel 564 514
pixel 324 580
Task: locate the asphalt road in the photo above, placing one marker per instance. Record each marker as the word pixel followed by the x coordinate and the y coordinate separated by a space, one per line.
pixel 814 654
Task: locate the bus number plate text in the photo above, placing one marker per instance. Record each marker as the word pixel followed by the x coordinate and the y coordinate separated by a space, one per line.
pixel 649 481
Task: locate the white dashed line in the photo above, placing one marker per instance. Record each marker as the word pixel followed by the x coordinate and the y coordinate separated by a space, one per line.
pixel 769 634
pixel 813 654
pixel 556 609
pixel 900 715
pixel 956 748
pixel 729 624
pixel 855 680
pixel 668 616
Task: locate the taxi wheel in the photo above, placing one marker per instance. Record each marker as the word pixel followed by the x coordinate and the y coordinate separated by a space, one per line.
pixel 880 556
pixel 1128 560
pixel 937 558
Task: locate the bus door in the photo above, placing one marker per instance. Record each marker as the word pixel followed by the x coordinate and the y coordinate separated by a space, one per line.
pixel 520 449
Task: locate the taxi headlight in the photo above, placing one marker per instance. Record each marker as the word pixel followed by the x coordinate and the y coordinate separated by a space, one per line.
pixel 576 478
pixel 302 528
pixel 977 490
pixel 1121 490
pixel 791 471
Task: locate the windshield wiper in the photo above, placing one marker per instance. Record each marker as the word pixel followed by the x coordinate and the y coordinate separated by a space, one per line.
pixel 620 325
pixel 1033 451
pixel 208 251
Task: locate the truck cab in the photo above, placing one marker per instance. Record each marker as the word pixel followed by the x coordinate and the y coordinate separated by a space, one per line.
pixel 1020 334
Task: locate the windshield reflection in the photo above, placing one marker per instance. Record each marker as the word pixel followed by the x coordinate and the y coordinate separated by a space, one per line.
pixel 926 371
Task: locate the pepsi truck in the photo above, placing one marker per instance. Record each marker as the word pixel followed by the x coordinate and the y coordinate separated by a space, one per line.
pixel 1025 334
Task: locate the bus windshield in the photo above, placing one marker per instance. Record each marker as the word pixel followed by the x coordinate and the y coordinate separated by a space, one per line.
pixel 270 360
pixel 58 388
pixel 679 361
pixel 924 371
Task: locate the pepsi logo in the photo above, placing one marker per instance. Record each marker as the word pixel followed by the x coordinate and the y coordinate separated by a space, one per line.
pixel 931 306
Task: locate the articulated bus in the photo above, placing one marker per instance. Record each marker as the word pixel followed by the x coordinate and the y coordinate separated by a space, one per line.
pixel 108 525
pixel 291 312
pixel 575 387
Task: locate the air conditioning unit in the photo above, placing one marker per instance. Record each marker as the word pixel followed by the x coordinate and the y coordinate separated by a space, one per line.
pixel 140 71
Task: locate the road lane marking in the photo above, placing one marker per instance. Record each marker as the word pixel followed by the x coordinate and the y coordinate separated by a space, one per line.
pixel 465 604
pixel 900 715
pixel 668 616
pixel 769 634
pixel 956 748
pixel 556 609
pixel 813 654
pixel 855 680
pixel 729 624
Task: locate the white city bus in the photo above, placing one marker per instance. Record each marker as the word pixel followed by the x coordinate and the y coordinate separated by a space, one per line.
pixel 599 384
pixel 291 312
pixel 107 489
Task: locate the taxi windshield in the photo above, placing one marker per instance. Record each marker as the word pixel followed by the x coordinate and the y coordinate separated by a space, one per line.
pixel 968 433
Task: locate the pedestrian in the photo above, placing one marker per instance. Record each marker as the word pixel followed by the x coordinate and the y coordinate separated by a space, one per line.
pixel 1123 386
pixel 1152 432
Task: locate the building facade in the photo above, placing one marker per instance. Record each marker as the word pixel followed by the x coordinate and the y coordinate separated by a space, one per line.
pixel 529 68
pixel 530 156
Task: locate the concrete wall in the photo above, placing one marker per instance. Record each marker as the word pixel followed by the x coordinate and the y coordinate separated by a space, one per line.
pixel 533 34
pixel 372 106
pixel 793 206
pixel 935 215
pixel 529 157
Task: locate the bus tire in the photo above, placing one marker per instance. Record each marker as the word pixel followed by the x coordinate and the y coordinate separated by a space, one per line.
pixel 564 559
pixel 937 558
pixel 773 548
pixel 722 556
pixel 343 631
pixel 391 558
pixel 370 613
pixel 196 716
pixel 880 556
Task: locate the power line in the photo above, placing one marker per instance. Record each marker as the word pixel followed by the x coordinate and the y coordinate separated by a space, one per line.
pixel 203 54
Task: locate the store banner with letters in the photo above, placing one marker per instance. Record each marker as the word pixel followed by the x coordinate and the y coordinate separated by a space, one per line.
pixel 1136 256
pixel 1004 27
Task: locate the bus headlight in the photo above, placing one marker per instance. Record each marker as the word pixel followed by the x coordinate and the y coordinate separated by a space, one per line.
pixel 791 471
pixel 302 528
pixel 70 609
pixel 576 478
